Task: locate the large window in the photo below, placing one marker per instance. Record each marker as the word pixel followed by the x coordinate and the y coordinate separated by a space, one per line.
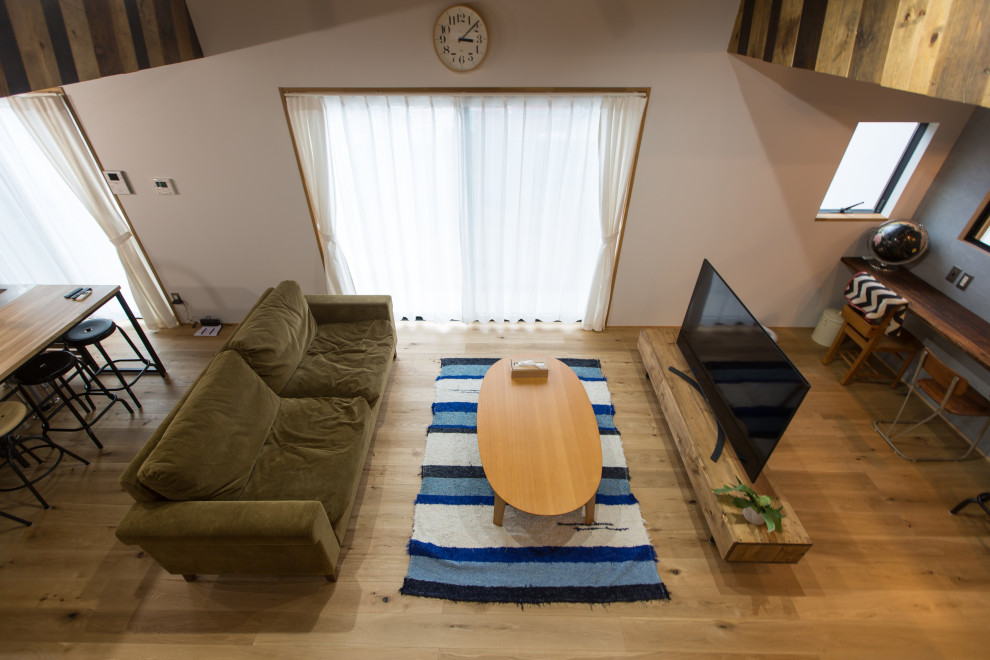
pixel 879 159
pixel 471 207
pixel 60 223
pixel 49 235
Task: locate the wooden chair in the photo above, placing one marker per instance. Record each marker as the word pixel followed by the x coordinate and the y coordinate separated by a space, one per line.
pixel 872 338
pixel 952 394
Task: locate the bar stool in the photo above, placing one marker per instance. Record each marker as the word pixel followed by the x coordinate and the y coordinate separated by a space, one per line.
pixel 14 449
pixel 92 332
pixel 952 394
pixel 51 368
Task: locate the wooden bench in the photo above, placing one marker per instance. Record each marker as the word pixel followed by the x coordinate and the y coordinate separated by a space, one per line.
pixel 694 429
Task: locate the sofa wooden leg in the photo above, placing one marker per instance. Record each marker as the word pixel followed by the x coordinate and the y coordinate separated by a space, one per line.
pixel 189 577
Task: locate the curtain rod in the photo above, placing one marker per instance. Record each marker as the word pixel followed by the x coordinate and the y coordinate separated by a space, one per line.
pixel 287 93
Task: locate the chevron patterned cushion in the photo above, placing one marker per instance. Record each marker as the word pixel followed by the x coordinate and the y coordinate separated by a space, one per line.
pixel 872 299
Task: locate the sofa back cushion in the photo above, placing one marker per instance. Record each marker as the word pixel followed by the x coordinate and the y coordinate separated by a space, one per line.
pixel 274 337
pixel 209 450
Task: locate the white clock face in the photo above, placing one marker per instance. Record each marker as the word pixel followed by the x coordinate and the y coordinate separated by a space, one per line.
pixel 460 38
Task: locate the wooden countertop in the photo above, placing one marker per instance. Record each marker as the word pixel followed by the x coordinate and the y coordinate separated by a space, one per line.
pixel 941 313
pixel 31 317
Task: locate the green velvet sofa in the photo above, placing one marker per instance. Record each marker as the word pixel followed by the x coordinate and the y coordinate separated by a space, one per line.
pixel 256 469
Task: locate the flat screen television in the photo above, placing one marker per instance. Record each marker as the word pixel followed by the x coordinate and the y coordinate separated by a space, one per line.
pixel 753 388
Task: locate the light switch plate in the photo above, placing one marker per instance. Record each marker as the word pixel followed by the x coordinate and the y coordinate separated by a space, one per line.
pixel 953 274
pixel 964 281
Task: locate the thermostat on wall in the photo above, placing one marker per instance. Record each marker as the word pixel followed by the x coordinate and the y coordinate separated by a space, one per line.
pixel 117 182
pixel 164 186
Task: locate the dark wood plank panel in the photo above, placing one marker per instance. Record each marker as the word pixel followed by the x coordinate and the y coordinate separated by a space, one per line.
pixel 104 39
pixel 80 39
pixel 758 35
pixel 838 37
pixel 810 33
pixel 61 47
pixel 122 33
pixel 939 48
pixel 745 21
pixel 787 32
pixel 46 43
pixel 773 27
pixel 963 65
pixel 152 39
pixel 34 43
pixel 166 29
pixel 876 24
pixel 15 79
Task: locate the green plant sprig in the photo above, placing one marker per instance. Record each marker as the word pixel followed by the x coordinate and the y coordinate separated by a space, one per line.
pixel 763 504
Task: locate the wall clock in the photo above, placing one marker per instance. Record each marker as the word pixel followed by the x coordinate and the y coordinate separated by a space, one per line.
pixel 460 38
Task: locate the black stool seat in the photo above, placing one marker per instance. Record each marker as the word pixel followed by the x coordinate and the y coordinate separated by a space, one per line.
pixel 50 369
pixel 44 367
pixel 89 331
pixel 92 332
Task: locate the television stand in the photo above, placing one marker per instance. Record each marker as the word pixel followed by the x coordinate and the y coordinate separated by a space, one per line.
pixel 693 427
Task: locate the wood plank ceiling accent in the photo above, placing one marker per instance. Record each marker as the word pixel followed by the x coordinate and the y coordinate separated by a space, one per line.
pixel 48 43
pixel 939 48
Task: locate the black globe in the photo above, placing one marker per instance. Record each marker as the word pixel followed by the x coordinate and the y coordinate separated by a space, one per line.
pixel 897 242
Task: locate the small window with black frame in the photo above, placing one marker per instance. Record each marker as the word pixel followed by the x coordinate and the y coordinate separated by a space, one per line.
pixel 979 231
pixel 879 157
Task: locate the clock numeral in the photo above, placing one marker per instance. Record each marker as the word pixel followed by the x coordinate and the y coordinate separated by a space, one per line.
pixel 444 29
pixel 446 49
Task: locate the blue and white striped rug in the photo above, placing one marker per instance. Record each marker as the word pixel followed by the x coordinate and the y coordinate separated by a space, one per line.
pixel 457 553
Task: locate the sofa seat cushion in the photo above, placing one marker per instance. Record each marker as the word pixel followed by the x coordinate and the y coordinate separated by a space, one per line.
pixel 345 359
pixel 274 337
pixel 315 451
pixel 209 449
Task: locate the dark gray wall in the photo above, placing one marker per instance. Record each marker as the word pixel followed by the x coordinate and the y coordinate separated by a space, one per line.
pixel 953 199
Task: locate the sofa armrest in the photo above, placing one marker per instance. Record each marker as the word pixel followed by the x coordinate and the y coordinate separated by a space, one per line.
pixel 228 537
pixel 226 522
pixel 346 309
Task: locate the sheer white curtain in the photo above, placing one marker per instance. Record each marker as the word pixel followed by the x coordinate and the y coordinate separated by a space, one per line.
pixel 309 126
pixel 529 235
pixel 621 117
pixel 397 170
pixel 55 134
pixel 468 207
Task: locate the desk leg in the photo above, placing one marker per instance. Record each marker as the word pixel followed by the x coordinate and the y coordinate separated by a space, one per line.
pixel 499 510
pixel 589 512
pixel 159 367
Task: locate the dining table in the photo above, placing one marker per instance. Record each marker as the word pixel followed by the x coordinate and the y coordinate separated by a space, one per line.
pixel 34 316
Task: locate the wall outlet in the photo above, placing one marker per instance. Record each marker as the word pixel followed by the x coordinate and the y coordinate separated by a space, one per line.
pixel 176 299
pixel 964 281
pixel 953 274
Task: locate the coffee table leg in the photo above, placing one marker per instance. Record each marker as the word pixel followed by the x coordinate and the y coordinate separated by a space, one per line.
pixel 499 510
pixel 589 511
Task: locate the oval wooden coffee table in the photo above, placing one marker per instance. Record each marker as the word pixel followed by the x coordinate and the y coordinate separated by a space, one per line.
pixel 539 441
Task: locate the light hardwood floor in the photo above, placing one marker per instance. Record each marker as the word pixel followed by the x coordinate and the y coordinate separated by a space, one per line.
pixel 891 573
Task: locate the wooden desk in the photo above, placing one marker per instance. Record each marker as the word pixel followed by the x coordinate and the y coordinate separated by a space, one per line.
pixel 942 314
pixel 32 317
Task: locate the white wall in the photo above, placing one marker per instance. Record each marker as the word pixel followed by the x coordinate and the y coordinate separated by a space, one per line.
pixel 736 154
